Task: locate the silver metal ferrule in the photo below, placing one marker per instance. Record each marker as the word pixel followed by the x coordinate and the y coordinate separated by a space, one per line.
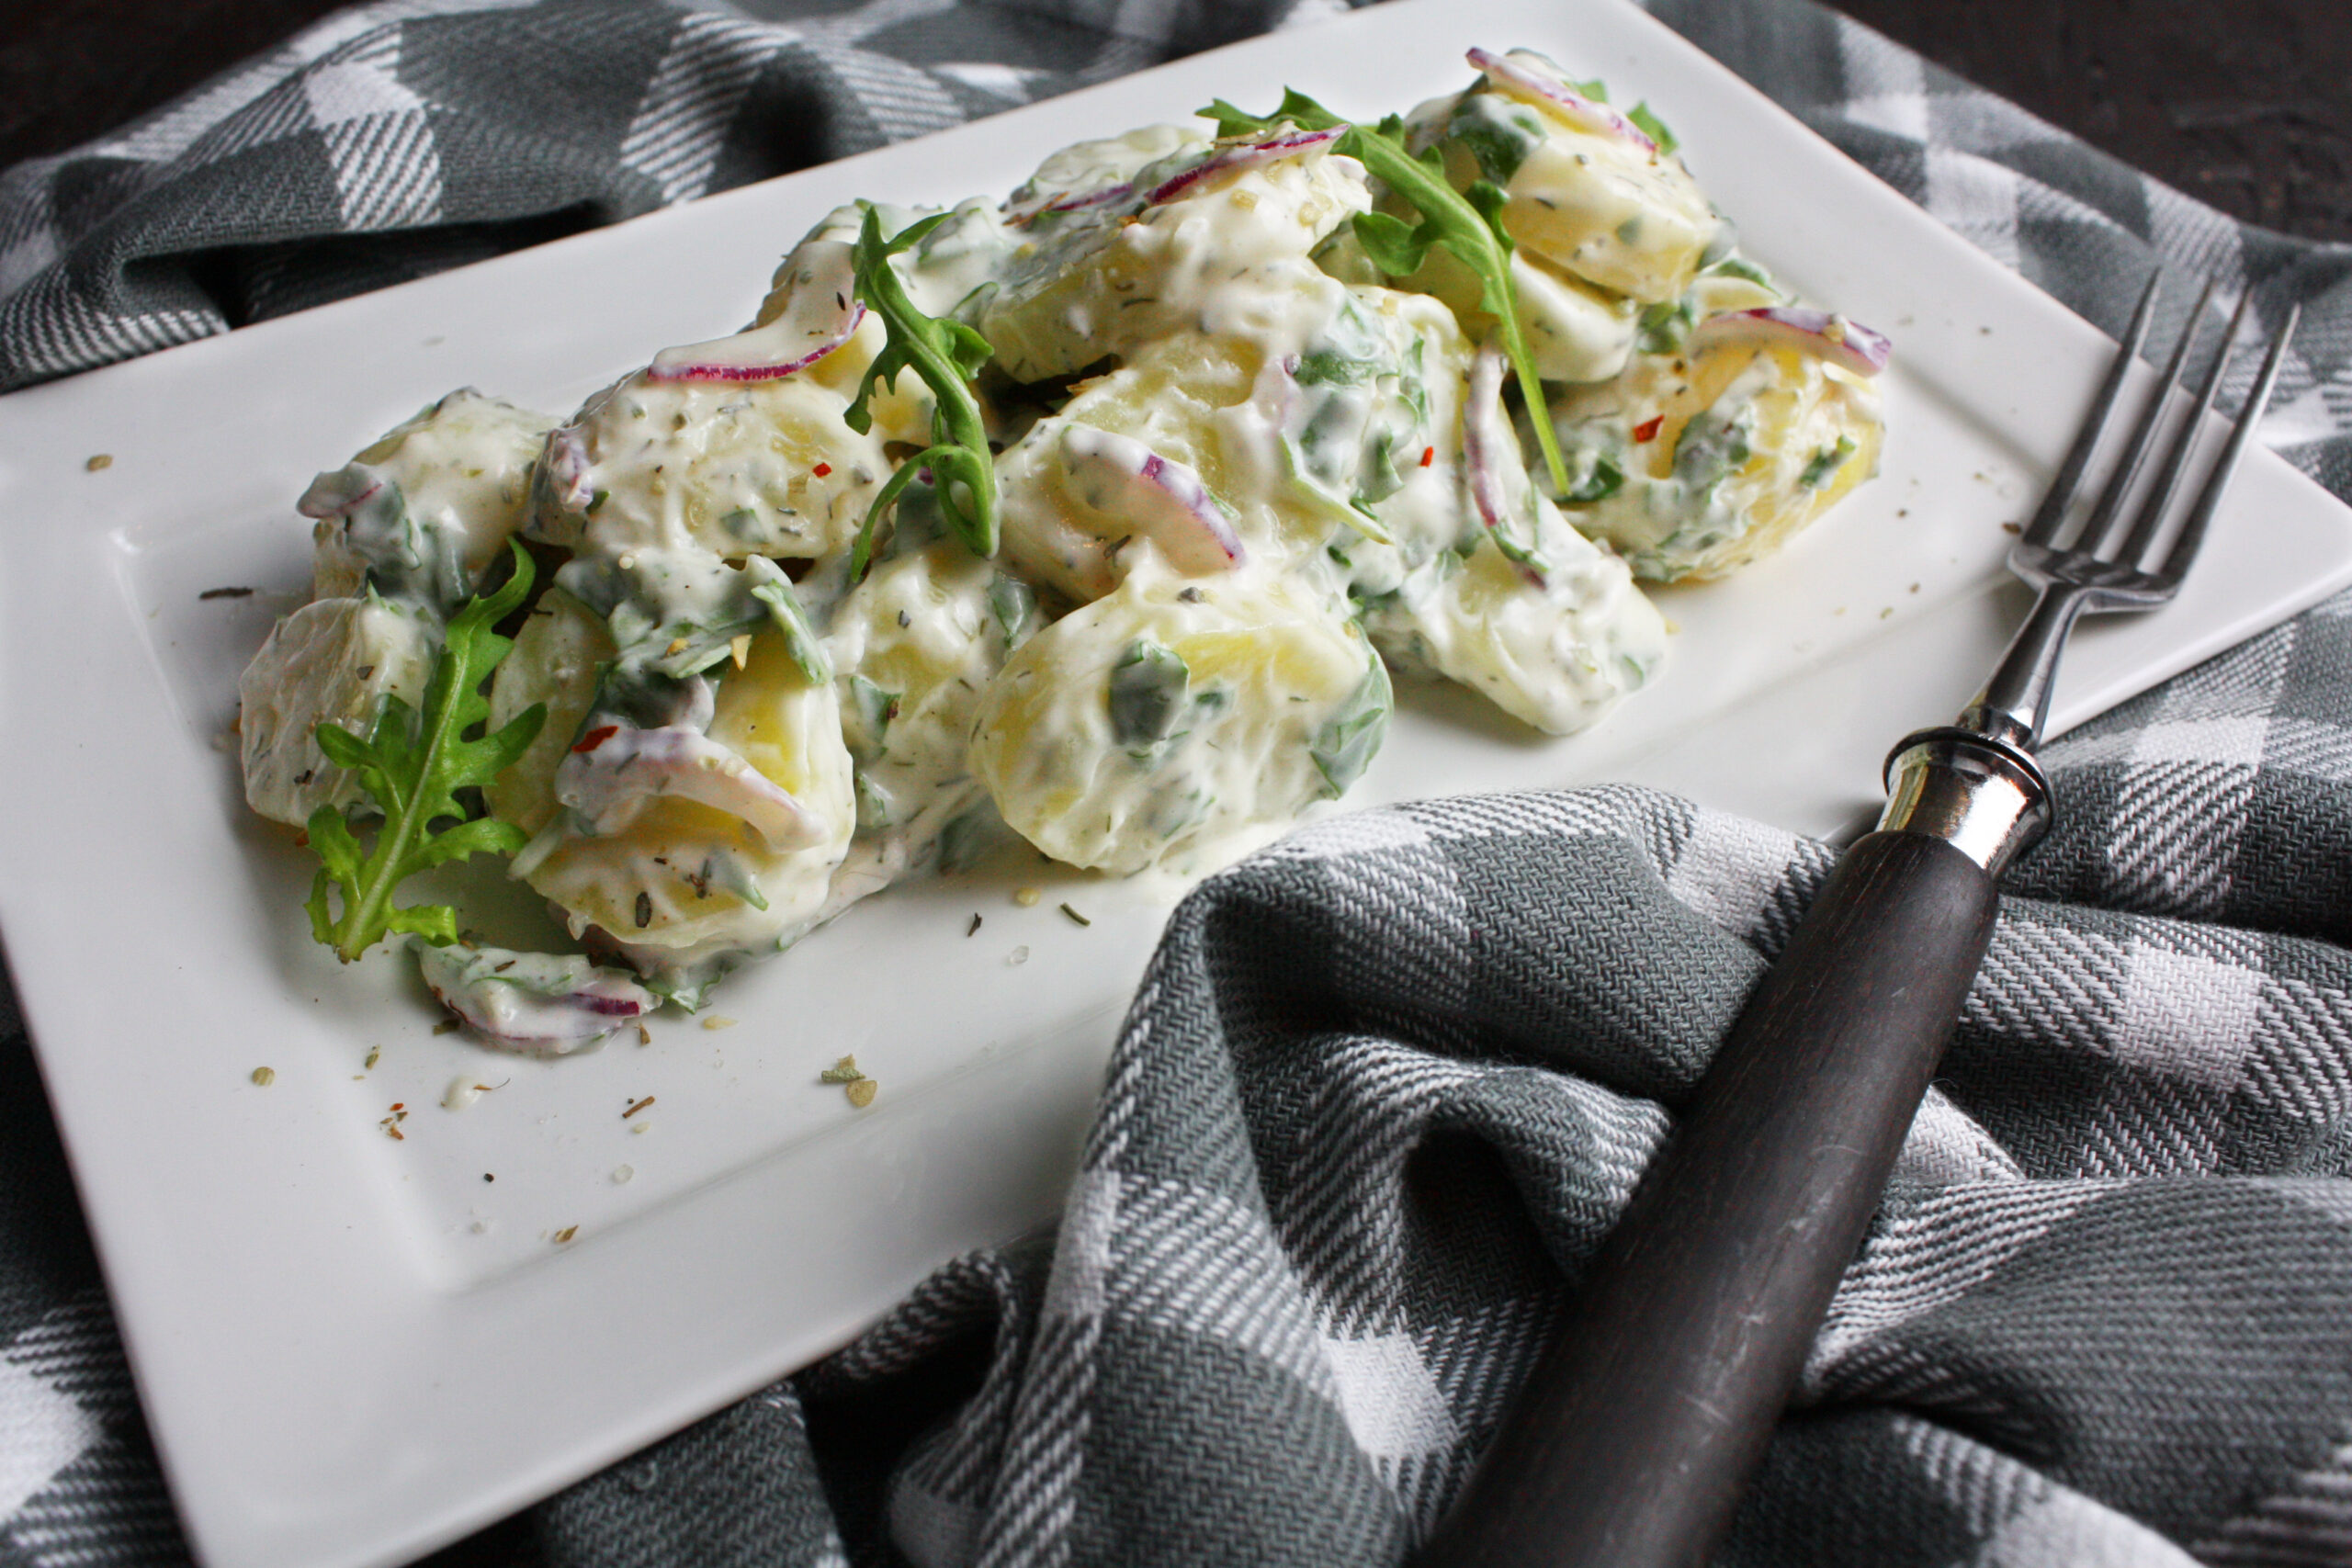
pixel 1987 797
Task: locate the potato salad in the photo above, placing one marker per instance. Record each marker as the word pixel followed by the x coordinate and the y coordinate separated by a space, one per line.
pixel 1112 514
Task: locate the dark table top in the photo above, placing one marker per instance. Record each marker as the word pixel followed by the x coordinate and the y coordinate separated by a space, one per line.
pixel 2247 104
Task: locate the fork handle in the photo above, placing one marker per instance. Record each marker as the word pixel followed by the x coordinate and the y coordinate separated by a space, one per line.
pixel 1634 1439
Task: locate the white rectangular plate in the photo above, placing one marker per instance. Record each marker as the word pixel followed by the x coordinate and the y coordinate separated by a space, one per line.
pixel 353 1349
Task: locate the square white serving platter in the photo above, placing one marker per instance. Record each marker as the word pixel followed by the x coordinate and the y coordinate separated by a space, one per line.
pixel 353 1349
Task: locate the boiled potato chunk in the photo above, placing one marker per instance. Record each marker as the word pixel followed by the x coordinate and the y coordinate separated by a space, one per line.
pixel 556 660
pixel 1725 453
pixel 1555 646
pixel 331 661
pixel 913 646
pixel 429 506
pixel 1165 723
pixel 1093 284
pixel 1603 205
pixel 690 880
pixel 734 469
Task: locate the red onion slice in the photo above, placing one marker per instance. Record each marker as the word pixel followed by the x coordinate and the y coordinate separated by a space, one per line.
pixel 615 769
pixel 1515 77
pixel 821 314
pixel 539 1004
pixel 341 493
pixel 1163 500
pixel 1289 145
pixel 1842 343
pixel 565 464
pixel 1485 437
pixel 1072 201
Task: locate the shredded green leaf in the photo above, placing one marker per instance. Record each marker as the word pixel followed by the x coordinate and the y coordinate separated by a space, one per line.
pixel 412 765
pixel 1469 224
pixel 1654 128
pixel 801 643
pixel 1825 463
pixel 946 355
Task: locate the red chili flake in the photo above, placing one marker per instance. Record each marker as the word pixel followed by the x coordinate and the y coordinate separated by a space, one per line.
pixel 303 839
pixel 822 470
pixel 399 1105
pixel 596 737
pixel 1647 429
pixel 1429 455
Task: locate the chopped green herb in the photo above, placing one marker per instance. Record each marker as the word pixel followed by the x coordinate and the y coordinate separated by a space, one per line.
pixel 801 644
pixel 1344 748
pixel 1826 462
pixel 1603 480
pixel 1146 692
pixel 1654 128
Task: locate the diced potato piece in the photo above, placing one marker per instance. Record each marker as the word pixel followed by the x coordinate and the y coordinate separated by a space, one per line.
pixel 1725 453
pixel 1624 217
pixel 1168 721
pixel 1556 653
pixel 912 647
pixel 693 882
pixel 331 661
pixel 556 660
pixel 1086 170
pixel 430 505
pixel 1216 259
pixel 1172 398
pixel 1576 331
pixel 1293 452
pixel 733 467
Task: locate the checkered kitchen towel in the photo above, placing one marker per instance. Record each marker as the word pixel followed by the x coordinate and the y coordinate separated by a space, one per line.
pixel 1386 1085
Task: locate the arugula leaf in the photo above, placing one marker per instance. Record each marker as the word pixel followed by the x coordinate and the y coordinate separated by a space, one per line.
pixel 1469 224
pixel 412 765
pixel 946 355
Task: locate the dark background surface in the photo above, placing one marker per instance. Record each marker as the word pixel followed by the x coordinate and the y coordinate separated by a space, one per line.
pixel 2244 104
pixel 2247 106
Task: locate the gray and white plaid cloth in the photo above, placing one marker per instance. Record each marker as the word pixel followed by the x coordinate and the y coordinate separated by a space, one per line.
pixel 1387 1085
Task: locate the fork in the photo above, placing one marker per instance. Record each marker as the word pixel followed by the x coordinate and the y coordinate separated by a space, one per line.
pixel 1637 1432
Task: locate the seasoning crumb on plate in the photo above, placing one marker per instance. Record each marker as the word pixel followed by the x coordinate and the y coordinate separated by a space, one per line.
pixel 264 1076
pixel 717 1020
pixel 98 460
pixel 566 1233
pixel 1017 957
pixel 861 1093
pixel 1027 896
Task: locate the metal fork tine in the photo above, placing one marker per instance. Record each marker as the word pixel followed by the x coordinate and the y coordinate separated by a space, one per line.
pixel 2192 531
pixel 2067 485
pixel 2100 529
pixel 2159 501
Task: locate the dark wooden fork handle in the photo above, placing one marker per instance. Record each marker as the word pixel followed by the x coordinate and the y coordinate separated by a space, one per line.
pixel 1632 1445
